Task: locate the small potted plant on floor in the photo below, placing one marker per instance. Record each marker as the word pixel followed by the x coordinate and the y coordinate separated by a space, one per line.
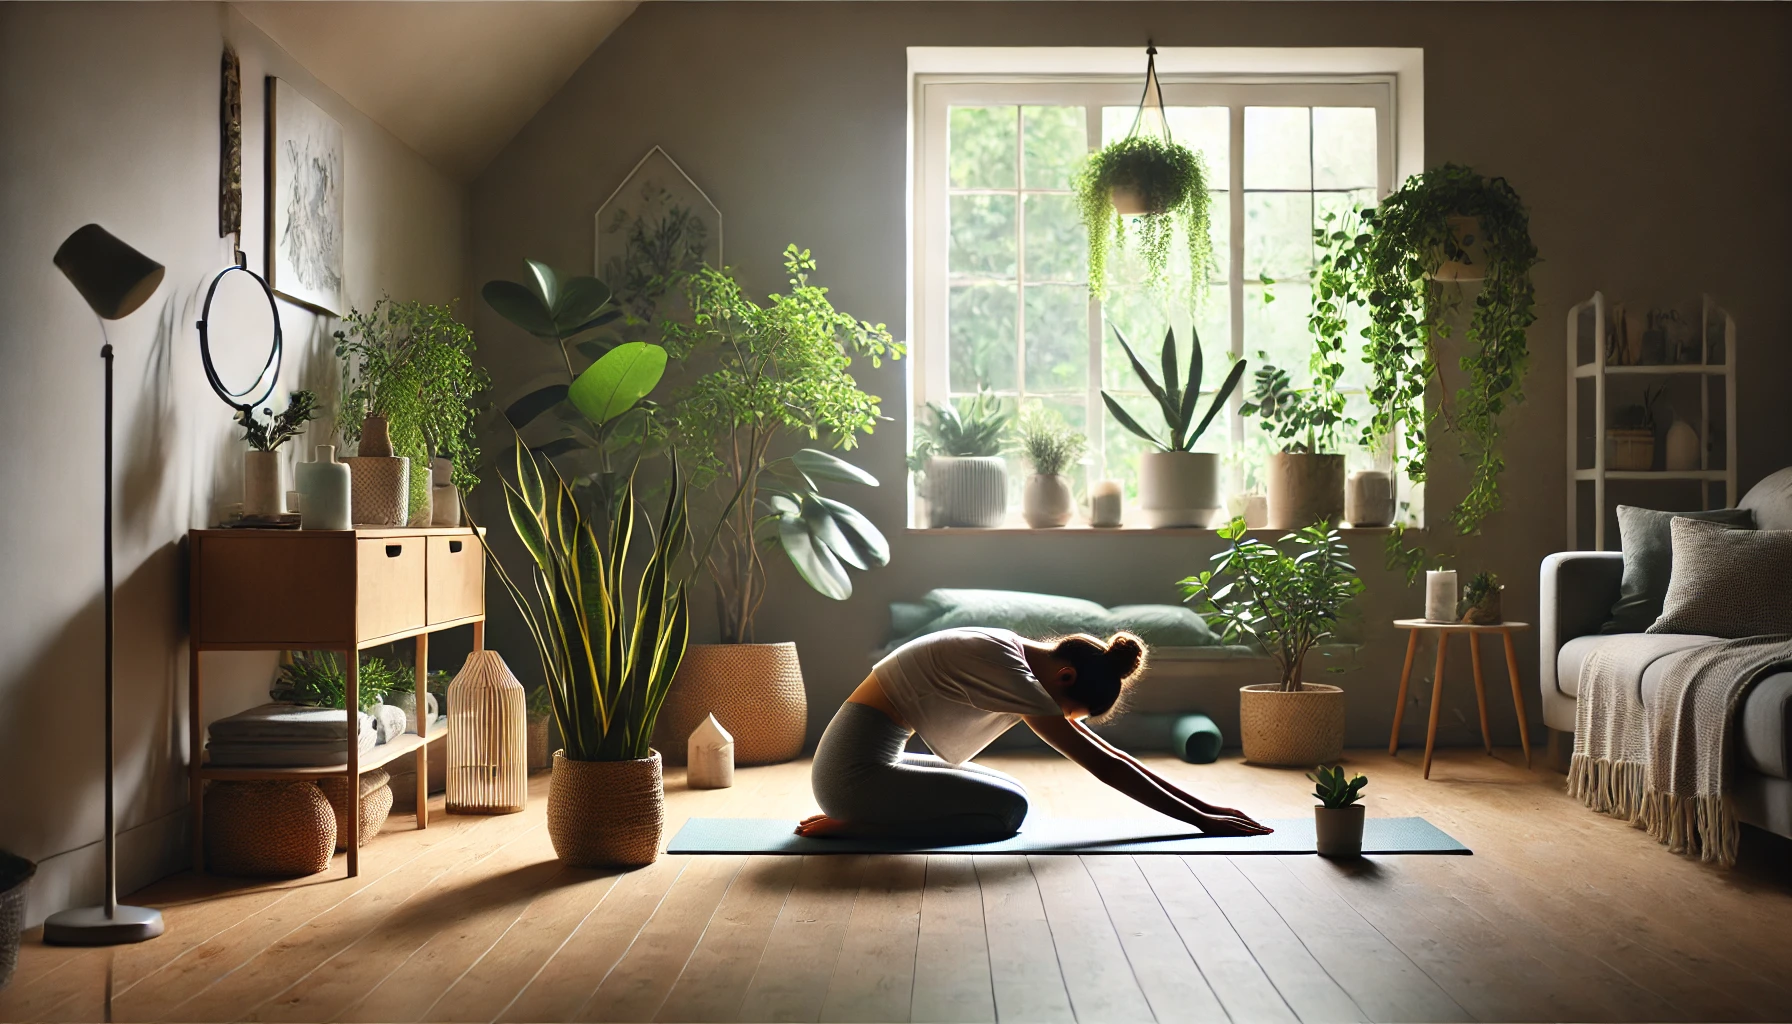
pixel 263 494
pixel 1178 486
pixel 1285 598
pixel 1338 817
pixel 961 446
pixel 1051 446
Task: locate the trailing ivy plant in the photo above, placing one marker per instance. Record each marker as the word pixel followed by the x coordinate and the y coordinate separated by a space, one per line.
pixel 1391 267
pixel 1171 181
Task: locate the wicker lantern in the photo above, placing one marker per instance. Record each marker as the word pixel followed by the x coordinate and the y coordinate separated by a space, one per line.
pixel 488 746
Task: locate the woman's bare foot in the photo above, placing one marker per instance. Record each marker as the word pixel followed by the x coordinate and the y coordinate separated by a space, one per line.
pixel 816 825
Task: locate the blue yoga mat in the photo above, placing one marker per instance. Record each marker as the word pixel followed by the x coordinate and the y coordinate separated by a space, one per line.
pixel 1065 835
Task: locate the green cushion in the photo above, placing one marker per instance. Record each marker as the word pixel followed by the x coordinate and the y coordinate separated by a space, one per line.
pixel 1164 625
pixel 1043 616
pixel 1646 537
pixel 1197 739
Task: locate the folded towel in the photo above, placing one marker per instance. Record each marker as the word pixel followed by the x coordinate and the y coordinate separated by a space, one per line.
pixel 285 753
pixel 286 722
pixel 286 736
pixel 389 722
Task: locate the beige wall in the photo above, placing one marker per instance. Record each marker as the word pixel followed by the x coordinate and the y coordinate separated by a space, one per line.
pixel 109 113
pixel 1649 141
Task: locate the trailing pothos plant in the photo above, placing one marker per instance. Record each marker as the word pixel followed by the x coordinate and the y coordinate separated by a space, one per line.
pixel 768 373
pixel 1392 267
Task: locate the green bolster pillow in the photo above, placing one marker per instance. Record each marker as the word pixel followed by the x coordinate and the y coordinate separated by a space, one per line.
pixel 1197 739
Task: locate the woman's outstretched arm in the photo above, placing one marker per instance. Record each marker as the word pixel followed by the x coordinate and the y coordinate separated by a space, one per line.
pixel 1172 788
pixel 1128 776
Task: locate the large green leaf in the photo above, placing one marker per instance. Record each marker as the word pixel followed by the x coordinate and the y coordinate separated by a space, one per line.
pixel 581 300
pixel 1139 370
pixel 524 410
pixel 1128 422
pixel 825 531
pixel 819 465
pixel 613 384
pixel 520 306
pixel 1219 400
pixel 547 284
pixel 867 540
pixel 815 564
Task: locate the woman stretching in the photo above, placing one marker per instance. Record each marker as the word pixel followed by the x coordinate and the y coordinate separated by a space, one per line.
pixel 960 689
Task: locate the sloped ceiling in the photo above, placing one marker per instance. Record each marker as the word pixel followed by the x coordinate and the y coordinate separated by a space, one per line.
pixel 453 80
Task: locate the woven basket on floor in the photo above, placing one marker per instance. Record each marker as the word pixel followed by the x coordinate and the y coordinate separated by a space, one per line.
pixel 606 813
pixel 754 690
pixel 268 828
pixel 376 803
pixel 1298 728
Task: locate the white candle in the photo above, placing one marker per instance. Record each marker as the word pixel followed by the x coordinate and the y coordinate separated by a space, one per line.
pixel 1104 503
pixel 1440 595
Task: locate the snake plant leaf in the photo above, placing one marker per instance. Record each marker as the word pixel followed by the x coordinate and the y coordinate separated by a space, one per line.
pixel 1219 399
pixel 524 410
pixel 612 385
pixel 1171 382
pixel 819 465
pixel 867 540
pixel 528 479
pixel 526 525
pixel 814 563
pixel 522 307
pixel 1138 368
pixel 1129 423
pixel 547 284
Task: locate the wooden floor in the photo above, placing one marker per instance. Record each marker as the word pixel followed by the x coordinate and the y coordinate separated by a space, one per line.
pixel 1560 915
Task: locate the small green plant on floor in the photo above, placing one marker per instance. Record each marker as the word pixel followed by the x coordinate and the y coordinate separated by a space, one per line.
pixel 300 409
pixel 1333 790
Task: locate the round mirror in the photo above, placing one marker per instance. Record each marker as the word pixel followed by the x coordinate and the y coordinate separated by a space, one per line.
pixel 239 337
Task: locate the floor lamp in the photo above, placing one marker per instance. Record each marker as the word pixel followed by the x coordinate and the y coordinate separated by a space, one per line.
pixel 115 279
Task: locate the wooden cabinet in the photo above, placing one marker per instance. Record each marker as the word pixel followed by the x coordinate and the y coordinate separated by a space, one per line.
pixel 333 590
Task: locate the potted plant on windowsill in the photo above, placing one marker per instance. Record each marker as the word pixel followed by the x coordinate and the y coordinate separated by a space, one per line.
pixel 1051 446
pixel 772 373
pixel 1287 602
pixel 966 478
pixel 1306 478
pixel 1338 817
pixel 263 494
pixel 1178 486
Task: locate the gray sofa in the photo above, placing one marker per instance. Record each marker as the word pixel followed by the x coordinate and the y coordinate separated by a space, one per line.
pixel 1577 592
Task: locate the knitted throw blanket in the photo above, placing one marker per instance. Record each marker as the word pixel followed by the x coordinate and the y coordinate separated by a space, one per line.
pixel 1662 768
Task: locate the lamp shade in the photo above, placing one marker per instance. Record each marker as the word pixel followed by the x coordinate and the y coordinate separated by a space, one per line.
pixel 114 278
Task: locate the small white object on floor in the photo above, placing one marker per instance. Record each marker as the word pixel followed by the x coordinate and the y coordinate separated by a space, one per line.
pixel 709 753
pixel 1440 595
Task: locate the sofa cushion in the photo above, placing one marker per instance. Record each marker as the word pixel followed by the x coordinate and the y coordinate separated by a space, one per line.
pixel 1771 501
pixel 1763 722
pixel 1646 537
pixel 1728 583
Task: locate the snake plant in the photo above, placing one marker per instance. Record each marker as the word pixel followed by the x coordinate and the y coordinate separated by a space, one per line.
pixel 1177 403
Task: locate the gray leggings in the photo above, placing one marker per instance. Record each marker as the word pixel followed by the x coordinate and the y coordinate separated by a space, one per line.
pixel 863 777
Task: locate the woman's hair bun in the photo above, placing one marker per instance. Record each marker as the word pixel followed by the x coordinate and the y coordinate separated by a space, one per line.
pixel 1125 653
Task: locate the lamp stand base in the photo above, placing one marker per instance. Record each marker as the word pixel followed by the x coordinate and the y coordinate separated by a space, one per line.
pixel 89 926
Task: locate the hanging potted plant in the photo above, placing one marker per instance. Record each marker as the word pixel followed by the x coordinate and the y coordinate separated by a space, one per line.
pixel 1178 486
pixel 965 477
pixel 1287 603
pixel 263 494
pixel 1158 185
pixel 774 373
pixel 1051 446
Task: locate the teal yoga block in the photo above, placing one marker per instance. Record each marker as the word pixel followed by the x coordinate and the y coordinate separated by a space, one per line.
pixel 1197 739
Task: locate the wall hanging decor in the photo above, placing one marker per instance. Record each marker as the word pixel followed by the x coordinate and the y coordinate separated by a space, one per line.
pixel 304 200
pixel 488 738
pixel 230 148
pixel 655 227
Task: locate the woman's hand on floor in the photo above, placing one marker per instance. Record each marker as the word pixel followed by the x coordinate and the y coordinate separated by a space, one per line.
pixel 1234 824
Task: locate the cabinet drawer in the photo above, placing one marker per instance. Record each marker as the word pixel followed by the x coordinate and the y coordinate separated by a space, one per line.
pixel 456 578
pixel 389 586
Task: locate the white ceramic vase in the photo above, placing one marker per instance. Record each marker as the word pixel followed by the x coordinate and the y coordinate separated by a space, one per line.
pixel 262 493
pixel 1047 501
pixel 1369 498
pixel 1179 488
pixel 324 492
pixel 1682 447
pixel 444 499
pixel 967 490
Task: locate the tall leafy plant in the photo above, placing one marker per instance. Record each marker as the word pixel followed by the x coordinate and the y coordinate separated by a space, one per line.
pixel 1176 399
pixel 770 372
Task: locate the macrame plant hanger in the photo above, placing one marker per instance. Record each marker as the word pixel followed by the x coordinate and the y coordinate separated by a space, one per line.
pixel 1152 98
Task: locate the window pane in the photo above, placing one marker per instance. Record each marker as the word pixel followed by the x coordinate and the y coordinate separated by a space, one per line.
pixel 1278 235
pixel 1219 219
pixel 982 236
pixel 1279 328
pixel 1056 142
pixel 981 337
pixel 1276 148
pixel 1057 337
pixel 1057 242
pixel 980 143
pixel 1344 147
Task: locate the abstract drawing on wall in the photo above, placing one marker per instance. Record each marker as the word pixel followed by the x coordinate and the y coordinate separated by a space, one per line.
pixel 656 225
pixel 304 189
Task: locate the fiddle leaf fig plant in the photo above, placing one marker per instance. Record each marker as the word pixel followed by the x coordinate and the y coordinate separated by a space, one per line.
pixel 1176 401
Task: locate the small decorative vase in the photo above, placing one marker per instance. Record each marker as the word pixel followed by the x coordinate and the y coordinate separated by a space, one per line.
pixel 444 499
pixel 1369 498
pixel 1682 447
pixel 1294 728
pixel 1305 489
pixel 376 438
pixel 755 692
pixel 324 492
pixel 488 741
pixel 1440 595
pixel 262 493
pixel 606 813
pixel 1047 501
pixel 709 755
pixel 1106 505
pixel 1338 831
pixel 379 489
pixel 967 490
pixel 1179 488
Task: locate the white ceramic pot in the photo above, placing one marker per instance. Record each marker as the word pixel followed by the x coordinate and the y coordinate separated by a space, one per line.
pixel 262 493
pixel 1682 447
pixel 1338 831
pixel 967 490
pixel 1179 488
pixel 1292 728
pixel 1369 498
pixel 1047 501
pixel 324 492
pixel 1305 489
pixel 444 497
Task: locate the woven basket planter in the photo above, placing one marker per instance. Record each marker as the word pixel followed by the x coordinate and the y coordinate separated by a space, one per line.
pixel 376 803
pixel 488 738
pixel 754 690
pixel 379 489
pixel 1296 728
pixel 268 829
pixel 606 813
pixel 540 760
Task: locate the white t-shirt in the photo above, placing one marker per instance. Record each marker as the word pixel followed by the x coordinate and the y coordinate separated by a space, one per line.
pixel 961 688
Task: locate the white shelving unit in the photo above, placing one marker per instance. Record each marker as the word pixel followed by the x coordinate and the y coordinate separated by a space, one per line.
pixel 1718 344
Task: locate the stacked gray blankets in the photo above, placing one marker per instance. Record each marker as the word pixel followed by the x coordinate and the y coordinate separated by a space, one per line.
pixel 288 736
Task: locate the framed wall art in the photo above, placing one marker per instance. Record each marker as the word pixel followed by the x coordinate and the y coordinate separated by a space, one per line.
pixel 304 200
pixel 654 226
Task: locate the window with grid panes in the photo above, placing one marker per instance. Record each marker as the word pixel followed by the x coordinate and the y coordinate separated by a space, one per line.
pixel 1004 299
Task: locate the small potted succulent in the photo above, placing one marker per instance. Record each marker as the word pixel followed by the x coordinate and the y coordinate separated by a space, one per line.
pixel 961 446
pixel 1051 446
pixel 1178 486
pixel 1480 604
pixel 1338 817
pixel 263 494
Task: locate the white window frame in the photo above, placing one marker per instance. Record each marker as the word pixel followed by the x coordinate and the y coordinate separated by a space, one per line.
pixel 1387 79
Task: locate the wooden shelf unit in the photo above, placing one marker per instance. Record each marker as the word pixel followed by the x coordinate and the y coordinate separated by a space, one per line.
pixel 327 590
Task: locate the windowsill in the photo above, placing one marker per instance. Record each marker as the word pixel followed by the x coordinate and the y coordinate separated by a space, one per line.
pixel 1085 528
